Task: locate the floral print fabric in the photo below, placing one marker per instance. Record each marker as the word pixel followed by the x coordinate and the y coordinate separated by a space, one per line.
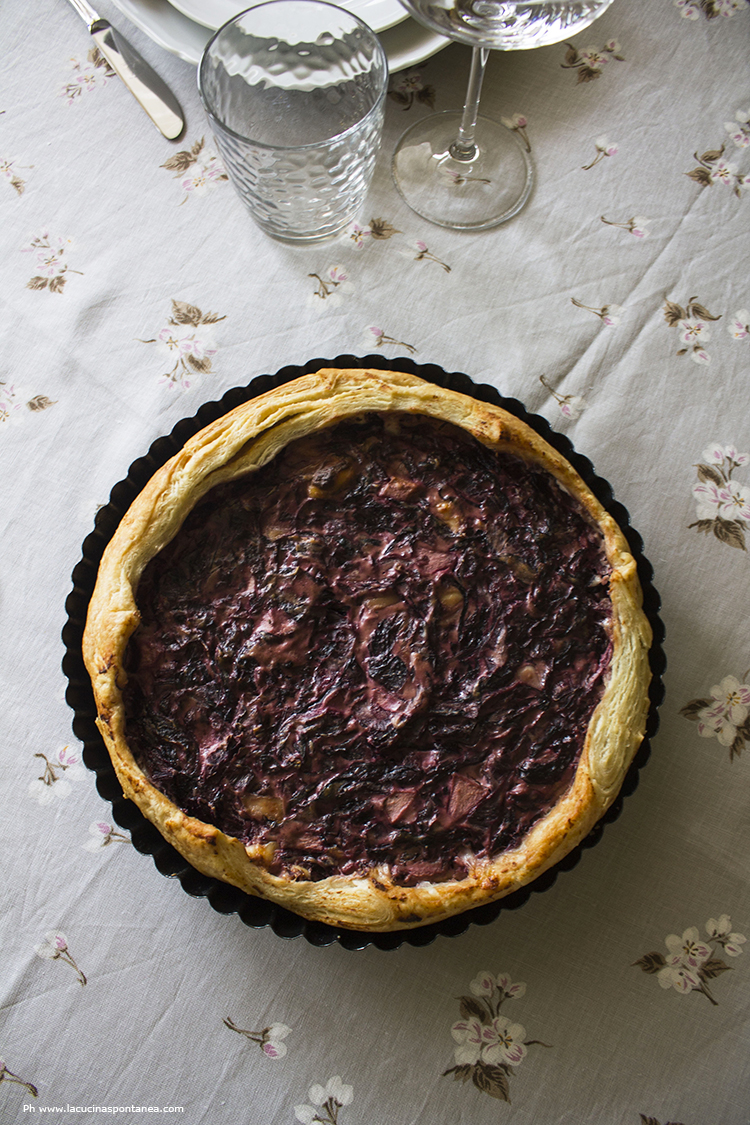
pixel 135 293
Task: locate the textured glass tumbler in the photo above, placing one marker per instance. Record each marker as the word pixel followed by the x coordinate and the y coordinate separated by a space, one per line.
pixel 295 94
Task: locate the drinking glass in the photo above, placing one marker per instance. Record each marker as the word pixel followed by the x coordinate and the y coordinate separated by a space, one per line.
pixel 295 94
pixel 466 171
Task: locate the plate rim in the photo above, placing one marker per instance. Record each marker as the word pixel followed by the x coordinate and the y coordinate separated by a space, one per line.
pixel 189 51
pixel 398 10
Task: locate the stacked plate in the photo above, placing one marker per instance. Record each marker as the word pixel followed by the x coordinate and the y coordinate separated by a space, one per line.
pixel 183 27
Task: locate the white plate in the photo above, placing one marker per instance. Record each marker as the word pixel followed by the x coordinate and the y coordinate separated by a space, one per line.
pixel 377 14
pixel 406 44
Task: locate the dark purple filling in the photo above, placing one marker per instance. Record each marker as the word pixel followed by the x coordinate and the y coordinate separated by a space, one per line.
pixel 384 647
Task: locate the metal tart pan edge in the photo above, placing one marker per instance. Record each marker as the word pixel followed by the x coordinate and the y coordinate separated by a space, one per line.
pixel 225 899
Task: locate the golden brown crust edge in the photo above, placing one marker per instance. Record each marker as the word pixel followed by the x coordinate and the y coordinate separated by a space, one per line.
pixel 243 440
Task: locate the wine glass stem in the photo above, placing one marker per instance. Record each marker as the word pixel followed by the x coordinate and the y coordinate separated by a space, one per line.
pixel 464 148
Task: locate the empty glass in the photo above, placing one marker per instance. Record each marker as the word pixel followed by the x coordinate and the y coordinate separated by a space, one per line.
pixel 462 170
pixel 295 94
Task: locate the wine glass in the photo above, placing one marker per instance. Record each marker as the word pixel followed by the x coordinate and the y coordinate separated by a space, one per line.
pixel 462 170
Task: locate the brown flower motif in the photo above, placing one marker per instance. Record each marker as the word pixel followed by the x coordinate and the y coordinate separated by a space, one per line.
pixel 409 88
pixel 591 61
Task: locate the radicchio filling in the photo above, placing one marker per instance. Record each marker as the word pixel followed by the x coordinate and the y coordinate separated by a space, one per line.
pixel 384 647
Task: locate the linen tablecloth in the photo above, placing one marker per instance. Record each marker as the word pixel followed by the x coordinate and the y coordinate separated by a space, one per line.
pixel 134 289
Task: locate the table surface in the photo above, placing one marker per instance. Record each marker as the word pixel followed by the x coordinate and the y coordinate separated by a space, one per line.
pixel 134 289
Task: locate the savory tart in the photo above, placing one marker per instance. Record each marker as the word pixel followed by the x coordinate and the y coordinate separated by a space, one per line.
pixel 371 649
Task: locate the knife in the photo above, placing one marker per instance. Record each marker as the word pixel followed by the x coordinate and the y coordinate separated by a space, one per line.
pixel 143 82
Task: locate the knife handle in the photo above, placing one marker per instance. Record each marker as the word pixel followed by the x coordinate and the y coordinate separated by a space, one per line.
pixel 143 82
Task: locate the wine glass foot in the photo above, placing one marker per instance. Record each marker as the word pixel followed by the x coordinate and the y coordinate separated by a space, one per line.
pixel 464 194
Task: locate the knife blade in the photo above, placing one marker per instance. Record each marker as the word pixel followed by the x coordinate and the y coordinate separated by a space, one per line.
pixel 141 79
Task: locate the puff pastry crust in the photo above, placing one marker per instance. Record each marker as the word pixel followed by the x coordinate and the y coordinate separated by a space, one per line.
pixel 242 442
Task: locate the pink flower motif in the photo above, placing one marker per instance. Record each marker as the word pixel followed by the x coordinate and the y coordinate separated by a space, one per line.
pixel 737 501
pixel 729 710
pixel 572 406
pixel 468 1036
pixel 593 58
pixel 511 990
pixel 330 284
pixel 272 1046
pixel 731 702
pixel 688 949
pixel 603 148
pixel 728 7
pixel 693 332
pixel 328 1099
pixel 186 340
pixel 635 226
pixel 682 965
pixel 611 315
pixel 52 947
pixel 55 947
pixel 205 173
pixel 676 975
pixel 517 121
pixel 410 82
pixel 11 403
pixel 269 1039
pixel 710 497
pixel 483 984
pixel 54 781
pixel 67 757
pixel 197 346
pixel 607 147
pixel 722 171
pixel 715 454
pixel 517 124
pixel 43 239
pixel 358 234
pixel 739 129
pixel 102 834
pixel 728 500
pixel 739 325
pixel 712 723
pixel 688 9
pixel 502 1041
pixel 719 931
pixel 738 134
pixel 381 338
pixel 49 259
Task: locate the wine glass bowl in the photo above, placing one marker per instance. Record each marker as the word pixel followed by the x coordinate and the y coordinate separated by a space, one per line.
pixel 461 170
pixel 506 25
